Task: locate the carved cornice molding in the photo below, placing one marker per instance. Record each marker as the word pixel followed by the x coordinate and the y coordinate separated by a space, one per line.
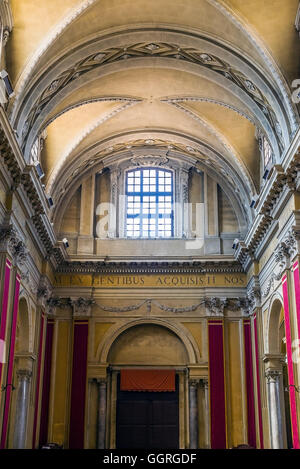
pixel 90 267
pixel 9 159
pixel 27 177
pixel 288 179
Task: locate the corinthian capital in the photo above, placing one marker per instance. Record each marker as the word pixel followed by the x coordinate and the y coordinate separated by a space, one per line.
pixel 216 306
pixel 82 307
pixel 272 376
pixel 10 241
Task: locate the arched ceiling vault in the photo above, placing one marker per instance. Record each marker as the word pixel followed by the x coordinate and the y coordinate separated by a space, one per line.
pixel 206 77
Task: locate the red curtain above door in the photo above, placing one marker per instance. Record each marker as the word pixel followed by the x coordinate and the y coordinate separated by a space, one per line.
pixel 148 380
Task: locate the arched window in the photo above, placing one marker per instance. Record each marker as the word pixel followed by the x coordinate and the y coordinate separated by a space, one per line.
pixel 149 203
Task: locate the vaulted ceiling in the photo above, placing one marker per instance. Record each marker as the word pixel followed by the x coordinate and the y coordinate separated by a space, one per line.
pixel 203 78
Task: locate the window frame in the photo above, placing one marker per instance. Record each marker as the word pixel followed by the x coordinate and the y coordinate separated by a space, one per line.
pixel 142 194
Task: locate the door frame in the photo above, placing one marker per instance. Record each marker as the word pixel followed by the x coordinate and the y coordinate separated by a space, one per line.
pixel 111 417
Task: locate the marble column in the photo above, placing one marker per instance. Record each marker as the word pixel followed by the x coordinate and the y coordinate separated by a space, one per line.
pixel 273 377
pixel 205 407
pixel 101 424
pixel 24 378
pixel 193 399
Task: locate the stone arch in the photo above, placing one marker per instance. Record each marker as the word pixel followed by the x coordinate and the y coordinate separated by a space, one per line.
pixel 174 330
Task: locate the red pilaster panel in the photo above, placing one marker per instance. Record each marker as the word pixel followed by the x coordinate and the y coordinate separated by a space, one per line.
pixel 260 424
pixel 249 384
pixel 217 384
pixel 46 383
pixel 38 379
pixel 3 316
pixel 10 368
pixel 79 376
pixel 288 335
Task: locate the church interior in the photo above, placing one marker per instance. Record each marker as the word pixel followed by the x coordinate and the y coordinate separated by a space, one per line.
pixel 149 224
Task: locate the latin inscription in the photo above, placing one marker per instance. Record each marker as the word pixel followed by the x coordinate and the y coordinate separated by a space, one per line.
pixel 146 281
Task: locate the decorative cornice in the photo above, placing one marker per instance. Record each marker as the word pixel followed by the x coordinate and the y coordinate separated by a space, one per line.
pixel 245 251
pixel 26 176
pixel 90 267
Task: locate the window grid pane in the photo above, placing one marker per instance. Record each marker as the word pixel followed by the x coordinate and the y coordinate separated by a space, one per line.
pixel 149 211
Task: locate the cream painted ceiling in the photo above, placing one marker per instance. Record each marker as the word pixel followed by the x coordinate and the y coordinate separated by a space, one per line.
pixel 206 76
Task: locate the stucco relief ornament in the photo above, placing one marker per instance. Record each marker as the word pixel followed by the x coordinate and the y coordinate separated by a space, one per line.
pixel 254 297
pixel 53 303
pixel 44 291
pixel 291 241
pixel 216 306
pixel 9 240
pixel 149 160
pixel 82 306
pixel 281 257
pixel 269 287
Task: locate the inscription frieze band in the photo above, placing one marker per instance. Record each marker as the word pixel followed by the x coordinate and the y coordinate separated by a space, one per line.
pixel 151 281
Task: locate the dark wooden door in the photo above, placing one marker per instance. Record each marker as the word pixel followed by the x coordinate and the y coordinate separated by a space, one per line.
pixel 147 419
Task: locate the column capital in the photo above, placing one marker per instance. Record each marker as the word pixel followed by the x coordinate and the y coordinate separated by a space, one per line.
pixel 193 382
pixel 272 375
pixel 24 375
pixel 204 383
pixel 82 307
pixel 216 306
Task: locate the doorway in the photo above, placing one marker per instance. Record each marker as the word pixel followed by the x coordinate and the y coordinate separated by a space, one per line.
pixel 147 420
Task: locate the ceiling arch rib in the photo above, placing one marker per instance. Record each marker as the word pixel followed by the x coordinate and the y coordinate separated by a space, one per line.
pixel 249 82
